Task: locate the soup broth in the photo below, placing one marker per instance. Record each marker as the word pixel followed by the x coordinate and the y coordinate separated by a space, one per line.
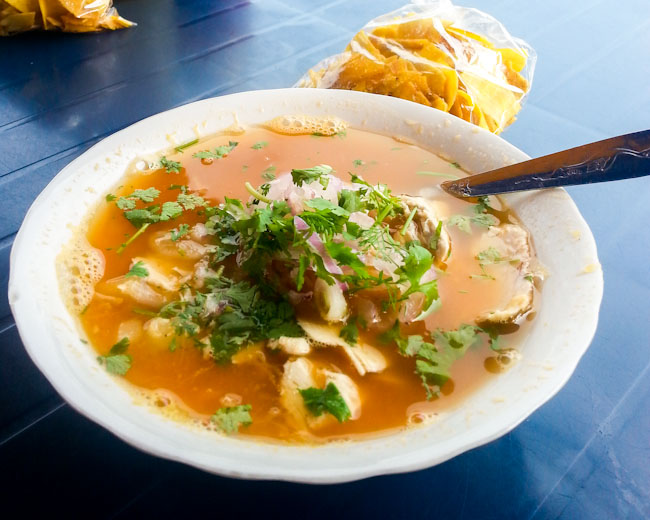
pixel 247 392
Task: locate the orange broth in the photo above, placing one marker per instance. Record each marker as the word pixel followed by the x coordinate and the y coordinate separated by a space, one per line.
pixel 390 399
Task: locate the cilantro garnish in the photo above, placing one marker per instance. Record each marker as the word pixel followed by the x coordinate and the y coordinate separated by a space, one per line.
pixel 268 174
pixel 170 210
pixel 480 219
pixel 350 332
pixel 110 197
pixel 230 418
pixel 182 230
pixel 259 145
pixel 358 162
pixel 218 153
pixel 434 359
pixel 418 261
pixel 138 269
pixel 169 165
pixel 116 361
pixel 190 201
pixel 489 256
pixel 248 313
pixel 328 400
pixel 129 202
pixel 317 173
pixel 182 147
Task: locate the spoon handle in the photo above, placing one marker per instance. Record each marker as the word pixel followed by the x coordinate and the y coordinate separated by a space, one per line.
pixel 623 157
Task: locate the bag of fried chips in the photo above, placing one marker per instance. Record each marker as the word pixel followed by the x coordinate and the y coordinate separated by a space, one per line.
pixel 456 59
pixel 67 15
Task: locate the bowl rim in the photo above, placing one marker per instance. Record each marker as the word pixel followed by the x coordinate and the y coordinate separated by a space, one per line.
pixel 25 308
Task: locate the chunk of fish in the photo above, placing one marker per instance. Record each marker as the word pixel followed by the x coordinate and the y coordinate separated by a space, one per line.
pixel 131 329
pixel 297 375
pixel 365 358
pixel 156 278
pixel 330 301
pixel 513 243
pixel 291 346
pixel 424 224
pixel 348 390
pixel 159 331
pixel 138 290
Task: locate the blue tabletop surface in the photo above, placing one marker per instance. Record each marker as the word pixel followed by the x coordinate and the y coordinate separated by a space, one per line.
pixel 585 454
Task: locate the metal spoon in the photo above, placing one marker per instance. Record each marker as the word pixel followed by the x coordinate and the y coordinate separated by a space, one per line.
pixel 623 157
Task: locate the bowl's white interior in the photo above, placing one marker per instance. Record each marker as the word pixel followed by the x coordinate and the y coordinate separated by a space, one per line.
pixel 562 330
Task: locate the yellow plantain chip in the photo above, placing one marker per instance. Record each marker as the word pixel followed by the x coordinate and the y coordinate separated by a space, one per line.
pixel 24 6
pixel 51 10
pixel 512 59
pixel 67 15
pixel 429 61
pixel 17 22
pixel 81 8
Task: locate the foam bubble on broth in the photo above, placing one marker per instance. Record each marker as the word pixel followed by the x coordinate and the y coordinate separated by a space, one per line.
pixel 79 267
pixel 300 125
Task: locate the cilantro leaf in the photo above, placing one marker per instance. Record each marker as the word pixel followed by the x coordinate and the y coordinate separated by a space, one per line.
pixel 480 219
pixel 117 361
pixel 317 173
pixel 110 197
pixel 417 262
pixel 320 204
pixel 485 220
pixel 268 173
pixel 351 201
pixel 190 201
pixel 483 204
pixel 488 256
pixel 147 195
pixel 138 217
pixel 229 419
pixel 170 210
pixel 138 269
pixel 460 340
pixel 303 264
pixel 327 219
pixel 218 153
pixel 182 230
pixel 350 332
pixel 259 145
pixel 345 256
pixel 329 400
pixel 169 165
pixel 125 203
pixel 462 221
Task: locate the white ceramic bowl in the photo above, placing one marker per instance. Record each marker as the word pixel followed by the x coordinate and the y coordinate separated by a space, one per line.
pixel 561 332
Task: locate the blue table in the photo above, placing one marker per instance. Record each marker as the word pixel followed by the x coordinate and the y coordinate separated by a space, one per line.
pixel 585 454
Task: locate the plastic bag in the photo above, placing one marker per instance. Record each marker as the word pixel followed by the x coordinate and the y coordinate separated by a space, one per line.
pixel 455 59
pixel 67 15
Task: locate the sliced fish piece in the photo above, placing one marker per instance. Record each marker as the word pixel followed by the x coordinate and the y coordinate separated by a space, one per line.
pixel 424 224
pixel 348 390
pixel 291 346
pixel 156 278
pixel 138 290
pixel 297 375
pixel 513 243
pixel 365 358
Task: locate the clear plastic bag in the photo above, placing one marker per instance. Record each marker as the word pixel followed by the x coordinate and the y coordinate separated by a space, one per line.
pixel 66 15
pixel 456 59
